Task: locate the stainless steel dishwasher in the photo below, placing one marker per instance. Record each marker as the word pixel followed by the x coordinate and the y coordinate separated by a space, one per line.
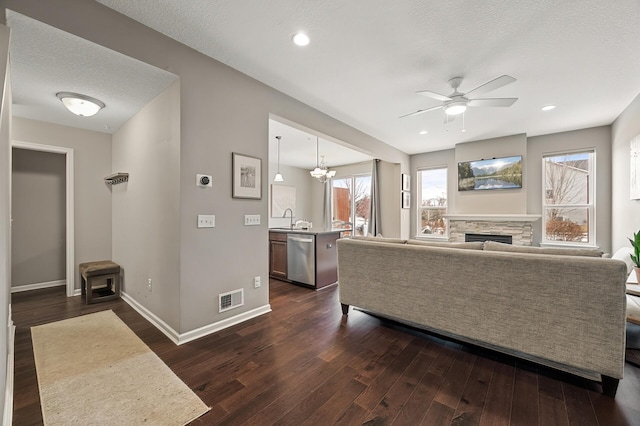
pixel 301 258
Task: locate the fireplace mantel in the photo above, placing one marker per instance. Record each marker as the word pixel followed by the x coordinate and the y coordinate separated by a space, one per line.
pixel 495 217
pixel 519 226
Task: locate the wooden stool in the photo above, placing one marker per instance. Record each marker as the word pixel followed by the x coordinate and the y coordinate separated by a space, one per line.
pixel 104 269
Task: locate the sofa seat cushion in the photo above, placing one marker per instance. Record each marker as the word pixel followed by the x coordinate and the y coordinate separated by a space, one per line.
pixel 495 246
pixel 476 245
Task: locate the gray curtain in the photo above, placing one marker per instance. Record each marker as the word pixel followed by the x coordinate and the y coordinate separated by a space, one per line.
pixel 326 206
pixel 374 227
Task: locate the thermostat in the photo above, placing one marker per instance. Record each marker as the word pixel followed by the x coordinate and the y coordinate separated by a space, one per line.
pixel 203 181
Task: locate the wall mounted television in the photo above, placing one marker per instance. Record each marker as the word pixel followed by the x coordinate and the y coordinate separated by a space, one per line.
pixel 494 173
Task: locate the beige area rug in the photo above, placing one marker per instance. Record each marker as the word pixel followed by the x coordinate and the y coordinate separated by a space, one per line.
pixel 93 370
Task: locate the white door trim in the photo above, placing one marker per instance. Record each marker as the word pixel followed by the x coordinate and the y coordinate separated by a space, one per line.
pixel 68 152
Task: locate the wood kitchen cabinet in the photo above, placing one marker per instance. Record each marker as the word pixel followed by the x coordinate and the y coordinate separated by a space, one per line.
pixel 278 255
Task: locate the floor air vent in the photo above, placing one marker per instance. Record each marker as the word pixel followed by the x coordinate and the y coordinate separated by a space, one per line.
pixel 233 299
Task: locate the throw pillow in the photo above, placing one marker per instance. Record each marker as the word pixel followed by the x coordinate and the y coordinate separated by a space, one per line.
pixel 623 254
pixel 381 239
pixel 477 245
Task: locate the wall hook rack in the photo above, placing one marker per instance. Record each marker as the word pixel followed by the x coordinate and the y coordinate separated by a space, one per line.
pixel 116 178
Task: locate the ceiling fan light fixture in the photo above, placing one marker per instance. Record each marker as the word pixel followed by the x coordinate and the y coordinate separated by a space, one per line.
pixel 455 108
pixel 81 105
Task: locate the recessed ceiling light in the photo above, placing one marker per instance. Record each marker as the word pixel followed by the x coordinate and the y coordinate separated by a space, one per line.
pixel 423 132
pixel 548 107
pixel 300 39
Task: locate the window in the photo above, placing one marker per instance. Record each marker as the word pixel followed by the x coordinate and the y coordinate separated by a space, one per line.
pixel 351 203
pixel 432 202
pixel 568 204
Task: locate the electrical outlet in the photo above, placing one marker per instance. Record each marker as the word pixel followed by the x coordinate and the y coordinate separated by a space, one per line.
pixel 256 282
pixel 251 219
pixel 149 282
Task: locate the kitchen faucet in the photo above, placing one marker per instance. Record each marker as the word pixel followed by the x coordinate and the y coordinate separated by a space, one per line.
pixel 285 215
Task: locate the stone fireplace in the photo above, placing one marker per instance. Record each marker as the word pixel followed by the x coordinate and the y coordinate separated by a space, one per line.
pixel 518 226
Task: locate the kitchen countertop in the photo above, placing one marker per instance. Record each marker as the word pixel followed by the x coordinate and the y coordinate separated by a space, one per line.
pixel 310 231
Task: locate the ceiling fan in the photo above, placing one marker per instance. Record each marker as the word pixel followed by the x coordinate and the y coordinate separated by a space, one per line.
pixel 457 103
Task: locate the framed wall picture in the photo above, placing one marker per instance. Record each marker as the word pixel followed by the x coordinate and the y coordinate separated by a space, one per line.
pixel 282 198
pixel 247 177
pixel 406 183
pixel 406 200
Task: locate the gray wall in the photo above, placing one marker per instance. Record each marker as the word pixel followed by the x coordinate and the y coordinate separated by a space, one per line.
pixel 146 209
pixel 38 209
pixel 626 212
pixel 92 198
pixel 527 200
pixel 222 111
pixel 5 212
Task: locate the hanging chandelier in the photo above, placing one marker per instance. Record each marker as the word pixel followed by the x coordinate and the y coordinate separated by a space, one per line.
pixel 321 172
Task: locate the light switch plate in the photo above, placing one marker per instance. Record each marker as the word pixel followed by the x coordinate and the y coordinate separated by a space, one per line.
pixel 251 219
pixel 206 221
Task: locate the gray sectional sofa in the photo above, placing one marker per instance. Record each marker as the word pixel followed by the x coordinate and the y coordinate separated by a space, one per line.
pixel 563 309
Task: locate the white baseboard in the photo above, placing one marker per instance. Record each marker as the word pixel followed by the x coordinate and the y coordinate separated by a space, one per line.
pixel 221 325
pixel 178 338
pixel 152 318
pixel 7 418
pixel 38 286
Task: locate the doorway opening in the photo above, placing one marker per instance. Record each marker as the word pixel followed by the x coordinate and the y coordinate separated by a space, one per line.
pixel 69 206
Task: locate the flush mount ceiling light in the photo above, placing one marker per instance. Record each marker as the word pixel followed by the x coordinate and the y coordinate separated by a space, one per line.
pixel 82 105
pixel 278 177
pixel 300 39
pixel 548 107
pixel 423 132
pixel 321 172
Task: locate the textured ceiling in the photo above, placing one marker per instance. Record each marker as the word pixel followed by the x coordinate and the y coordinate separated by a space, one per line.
pixel 298 147
pixel 366 59
pixel 45 61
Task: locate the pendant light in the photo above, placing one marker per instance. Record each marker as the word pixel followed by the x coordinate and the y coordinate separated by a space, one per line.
pixel 321 172
pixel 278 177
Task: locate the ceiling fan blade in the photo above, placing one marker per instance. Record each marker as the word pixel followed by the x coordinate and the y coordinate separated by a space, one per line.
pixel 494 84
pixel 420 111
pixel 492 102
pixel 433 95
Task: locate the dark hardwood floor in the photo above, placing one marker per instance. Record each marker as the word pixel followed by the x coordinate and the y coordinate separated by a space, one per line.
pixel 306 364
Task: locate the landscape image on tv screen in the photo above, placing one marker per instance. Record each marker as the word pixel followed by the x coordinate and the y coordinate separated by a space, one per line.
pixel 495 173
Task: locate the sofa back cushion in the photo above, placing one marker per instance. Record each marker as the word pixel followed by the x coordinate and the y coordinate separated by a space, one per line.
pixel 381 239
pixel 495 246
pixel 477 245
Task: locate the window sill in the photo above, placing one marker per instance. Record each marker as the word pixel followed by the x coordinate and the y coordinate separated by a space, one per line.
pixel 570 245
pixel 432 238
